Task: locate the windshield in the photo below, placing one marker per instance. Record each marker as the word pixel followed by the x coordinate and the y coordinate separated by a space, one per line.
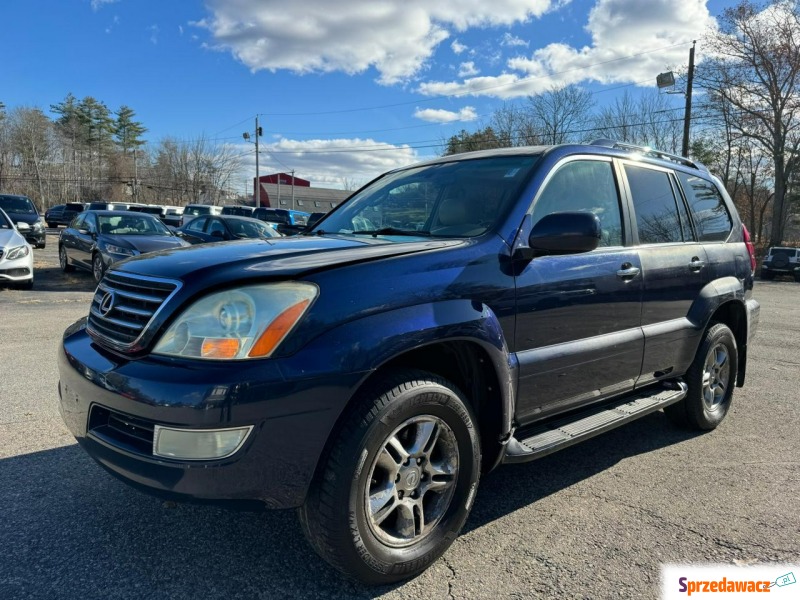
pixel 17 204
pixel 457 199
pixel 197 210
pixel 131 225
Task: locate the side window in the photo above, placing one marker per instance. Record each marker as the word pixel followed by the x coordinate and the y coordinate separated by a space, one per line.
pixel 711 218
pixel 90 223
pixel 197 224
pixel 584 185
pixel 216 226
pixel 686 224
pixel 77 222
pixel 654 203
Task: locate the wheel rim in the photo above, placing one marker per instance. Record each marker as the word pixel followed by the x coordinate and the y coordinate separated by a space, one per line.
pixel 98 268
pixel 412 481
pixel 716 375
pixel 62 257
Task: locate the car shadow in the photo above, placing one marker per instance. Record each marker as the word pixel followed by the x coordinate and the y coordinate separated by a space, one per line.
pixel 71 530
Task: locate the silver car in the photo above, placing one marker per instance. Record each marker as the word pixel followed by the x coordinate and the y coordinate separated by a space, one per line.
pixel 16 256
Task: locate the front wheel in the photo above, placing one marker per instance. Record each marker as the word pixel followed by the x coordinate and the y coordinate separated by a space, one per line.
pixel 98 267
pixel 398 480
pixel 711 379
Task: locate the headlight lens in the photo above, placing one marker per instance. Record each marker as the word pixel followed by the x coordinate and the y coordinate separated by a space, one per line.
pixel 248 322
pixel 120 250
pixel 18 252
pixel 38 226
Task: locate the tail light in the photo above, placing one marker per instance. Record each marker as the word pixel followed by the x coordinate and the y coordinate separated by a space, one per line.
pixel 750 249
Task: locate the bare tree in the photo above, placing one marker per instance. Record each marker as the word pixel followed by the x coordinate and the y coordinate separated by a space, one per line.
pixel 556 114
pixel 756 69
pixel 649 120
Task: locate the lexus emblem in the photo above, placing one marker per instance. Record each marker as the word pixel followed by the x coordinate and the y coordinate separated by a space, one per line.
pixel 106 303
pixel 412 479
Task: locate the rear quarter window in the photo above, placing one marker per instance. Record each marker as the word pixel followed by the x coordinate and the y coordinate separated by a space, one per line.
pixel 711 218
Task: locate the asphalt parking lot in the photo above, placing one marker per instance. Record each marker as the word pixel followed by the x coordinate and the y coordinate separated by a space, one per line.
pixel 593 521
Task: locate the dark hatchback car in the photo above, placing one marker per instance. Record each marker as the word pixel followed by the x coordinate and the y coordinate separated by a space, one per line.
pixel 451 316
pixel 22 211
pixel 225 228
pixel 95 240
pixel 63 213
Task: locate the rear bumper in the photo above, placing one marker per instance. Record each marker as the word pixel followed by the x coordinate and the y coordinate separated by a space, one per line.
pixel 292 421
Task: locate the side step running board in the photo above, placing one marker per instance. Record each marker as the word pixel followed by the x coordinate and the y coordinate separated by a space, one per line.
pixel 546 439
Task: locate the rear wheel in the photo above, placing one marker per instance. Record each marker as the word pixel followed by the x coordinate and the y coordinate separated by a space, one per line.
pixel 797 275
pixel 767 275
pixel 63 260
pixel 398 481
pixel 711 379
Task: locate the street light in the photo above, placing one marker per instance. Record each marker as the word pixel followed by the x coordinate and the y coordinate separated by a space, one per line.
pixel 667 80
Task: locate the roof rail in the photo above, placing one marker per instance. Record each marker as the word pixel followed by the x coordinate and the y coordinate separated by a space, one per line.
pixel 646 150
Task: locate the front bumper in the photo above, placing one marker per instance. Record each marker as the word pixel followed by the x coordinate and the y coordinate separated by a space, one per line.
pixel 292 420
pixel 36 238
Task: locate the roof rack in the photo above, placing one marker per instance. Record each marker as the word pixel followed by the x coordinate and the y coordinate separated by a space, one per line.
pixel 646 150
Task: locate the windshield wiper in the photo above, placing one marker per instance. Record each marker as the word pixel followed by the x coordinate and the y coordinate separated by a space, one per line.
pixel 394 231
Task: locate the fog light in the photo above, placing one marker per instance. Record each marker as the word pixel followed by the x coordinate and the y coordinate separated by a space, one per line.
pixel 198 444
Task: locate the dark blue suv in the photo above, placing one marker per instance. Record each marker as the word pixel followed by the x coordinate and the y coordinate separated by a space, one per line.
pixel 474 310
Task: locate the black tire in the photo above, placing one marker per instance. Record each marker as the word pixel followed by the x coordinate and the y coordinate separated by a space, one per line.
pixel 63 260
pixel 336 518
pixel 767 275
pixel 52 225
pixel 41 246
pixel 797 276
pixel 710 380
pixel 98 267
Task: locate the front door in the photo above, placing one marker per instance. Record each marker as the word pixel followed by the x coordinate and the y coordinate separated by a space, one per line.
pixel 578 335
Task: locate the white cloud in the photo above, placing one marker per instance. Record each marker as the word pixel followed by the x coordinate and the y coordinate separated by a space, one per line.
pixel 512 40
pixel 467 69
pixel 396 38
pixel 656 35
pixel 180 29
pixel 153 29
pixel 98 4
pixel 439 115
pixel 328 163
pixel 457 47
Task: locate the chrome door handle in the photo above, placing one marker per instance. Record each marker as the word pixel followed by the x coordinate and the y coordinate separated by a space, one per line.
pixel 696 264
pixel 628 271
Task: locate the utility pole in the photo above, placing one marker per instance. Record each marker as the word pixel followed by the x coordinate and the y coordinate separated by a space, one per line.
pixel 135 178
pixel 258 178
pixel 687 115
pixel 292 189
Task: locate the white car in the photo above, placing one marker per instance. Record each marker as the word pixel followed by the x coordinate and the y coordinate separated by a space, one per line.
pixel 16 256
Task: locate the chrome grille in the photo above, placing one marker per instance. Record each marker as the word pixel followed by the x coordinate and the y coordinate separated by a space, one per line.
pixel 124 305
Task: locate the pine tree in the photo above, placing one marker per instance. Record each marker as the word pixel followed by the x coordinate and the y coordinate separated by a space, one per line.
pixel 127 132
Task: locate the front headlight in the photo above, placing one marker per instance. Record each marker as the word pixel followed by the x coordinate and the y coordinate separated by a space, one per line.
pixel 120 250
pixel 38 226
pixel 18 252
pixel 247 322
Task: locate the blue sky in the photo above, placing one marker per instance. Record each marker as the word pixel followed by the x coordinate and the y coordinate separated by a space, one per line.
pixel 346 88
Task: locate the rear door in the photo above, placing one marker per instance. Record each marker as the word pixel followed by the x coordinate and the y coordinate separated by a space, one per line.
pixel 578 335
pixel 675 269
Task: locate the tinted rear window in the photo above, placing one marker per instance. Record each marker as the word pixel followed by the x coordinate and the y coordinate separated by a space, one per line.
pixel 17 204
pixel 654 202
pixel 790 252
pixel 711 218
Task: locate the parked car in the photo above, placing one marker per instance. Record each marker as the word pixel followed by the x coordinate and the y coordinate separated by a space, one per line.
pixel 313 218
pixel 478 309
pixel 108 206
pixel 95 240
pixel 52 214
pixel 781 261
pixel 71 210
pixel 238 209
pixel 172 217
pixel 287 222
pixel 190 211
pixel 16 256
pixel 22 211
pixel 225 228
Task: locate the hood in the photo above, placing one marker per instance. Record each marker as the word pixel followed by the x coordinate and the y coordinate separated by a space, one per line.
pixel 28 218
pixel 10 238
pixel 277 257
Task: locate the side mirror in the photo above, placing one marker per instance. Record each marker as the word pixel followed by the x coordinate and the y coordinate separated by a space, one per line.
pixel 22 226
pixel 83 231
pixel 565 233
